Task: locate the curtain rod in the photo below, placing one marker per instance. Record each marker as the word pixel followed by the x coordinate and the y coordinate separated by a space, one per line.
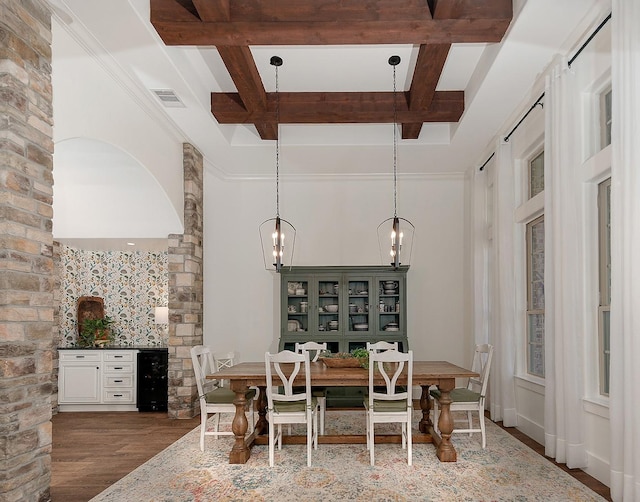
pixel 582 47
pixel 570 62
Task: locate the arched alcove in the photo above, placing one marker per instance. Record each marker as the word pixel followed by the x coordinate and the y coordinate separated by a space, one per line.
pixel 102 192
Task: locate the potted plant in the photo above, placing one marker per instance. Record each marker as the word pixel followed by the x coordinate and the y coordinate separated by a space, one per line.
pixel 354 359
pixel 96 332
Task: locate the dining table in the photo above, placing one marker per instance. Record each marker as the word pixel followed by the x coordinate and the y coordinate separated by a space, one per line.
pixel 442 374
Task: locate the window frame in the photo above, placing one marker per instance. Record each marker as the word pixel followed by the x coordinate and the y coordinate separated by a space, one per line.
pixel 530 311
pixel 604 284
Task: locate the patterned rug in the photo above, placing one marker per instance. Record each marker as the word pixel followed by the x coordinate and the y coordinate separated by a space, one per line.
pixel 506 470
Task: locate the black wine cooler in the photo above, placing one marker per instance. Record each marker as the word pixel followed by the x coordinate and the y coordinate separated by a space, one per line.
pixel 153 367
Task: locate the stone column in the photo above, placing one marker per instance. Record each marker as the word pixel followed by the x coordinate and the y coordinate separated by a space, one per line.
pixel 26 266
pixel 185 290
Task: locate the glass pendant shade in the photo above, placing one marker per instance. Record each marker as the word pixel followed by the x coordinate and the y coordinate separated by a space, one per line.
pixel 278 238
pixel 395 238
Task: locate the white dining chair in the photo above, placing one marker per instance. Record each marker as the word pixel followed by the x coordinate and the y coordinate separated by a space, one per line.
pixel 382 345
pixel 472 397
pixel 315 350
pixel 214 397
pixel 389 403
pixel 284 404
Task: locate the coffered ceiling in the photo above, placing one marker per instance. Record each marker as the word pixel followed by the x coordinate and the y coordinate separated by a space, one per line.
pixel 233 26
pixel 467 65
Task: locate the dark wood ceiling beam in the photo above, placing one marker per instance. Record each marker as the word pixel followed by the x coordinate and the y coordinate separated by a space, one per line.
pixel 332 10
pixel 337 108
pixel 213 10
pixel 470 9
pixel 245 76
pixel 429 65
pixel 332 33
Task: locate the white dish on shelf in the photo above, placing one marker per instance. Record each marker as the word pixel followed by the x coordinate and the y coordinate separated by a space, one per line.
pixel 294 325
pixel 331 308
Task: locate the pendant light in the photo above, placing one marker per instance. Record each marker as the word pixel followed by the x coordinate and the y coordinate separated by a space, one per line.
pixel 274 230
pixel 402 230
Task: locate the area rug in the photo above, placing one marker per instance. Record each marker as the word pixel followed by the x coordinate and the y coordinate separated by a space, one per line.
pixel 506 470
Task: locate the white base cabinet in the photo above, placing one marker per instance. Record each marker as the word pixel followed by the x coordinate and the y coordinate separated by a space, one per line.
pixel 97 380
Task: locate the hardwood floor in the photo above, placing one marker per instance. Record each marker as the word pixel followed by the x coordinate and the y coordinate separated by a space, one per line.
pixel 578 474
pixel 91 451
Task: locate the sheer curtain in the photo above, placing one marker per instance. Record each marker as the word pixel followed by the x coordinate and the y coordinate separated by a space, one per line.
pixel 563 274
pixel 502 323
pixel 625 253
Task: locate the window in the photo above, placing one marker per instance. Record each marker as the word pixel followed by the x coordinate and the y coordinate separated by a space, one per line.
pixel 536 175
pixel 535 297
pixel 604 262
pixel 605 118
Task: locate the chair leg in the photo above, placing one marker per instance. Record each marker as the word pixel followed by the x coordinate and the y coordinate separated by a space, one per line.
pixel 368 438
pixel 203 427
pixel 371 442
pixel 315 430
pixel 216 424
pixel 482 429
pixel 470 420
pixel 409 443
pixel 271 442
pixel 323 407
pixel 309 436
pixel 404 435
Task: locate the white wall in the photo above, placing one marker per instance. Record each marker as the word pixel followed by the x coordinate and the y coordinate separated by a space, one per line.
pixel 89 103
pixel 336 222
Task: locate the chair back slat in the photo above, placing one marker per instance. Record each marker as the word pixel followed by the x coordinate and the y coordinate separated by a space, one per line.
pixel 314 349
pixel 390 364
pixel 287 365
pixel 382 345
pixel 481 364
pixel 203 365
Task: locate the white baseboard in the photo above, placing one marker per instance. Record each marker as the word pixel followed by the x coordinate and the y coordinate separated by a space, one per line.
pixel 531 429
pixel 599 469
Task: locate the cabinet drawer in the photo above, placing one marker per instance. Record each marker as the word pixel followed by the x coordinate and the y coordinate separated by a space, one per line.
pixel 72 355
pixel 118 367
pixel 114 355
pixel 117 396
pixel 125 381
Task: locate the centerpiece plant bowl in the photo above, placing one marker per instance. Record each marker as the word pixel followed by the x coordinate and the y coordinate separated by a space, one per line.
pixel 357 358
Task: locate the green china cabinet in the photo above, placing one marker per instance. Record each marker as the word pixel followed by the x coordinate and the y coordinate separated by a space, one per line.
pixel 345 307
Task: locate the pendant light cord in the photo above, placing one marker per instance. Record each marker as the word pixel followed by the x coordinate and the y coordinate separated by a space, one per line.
pixel 277 147
pixel 395 146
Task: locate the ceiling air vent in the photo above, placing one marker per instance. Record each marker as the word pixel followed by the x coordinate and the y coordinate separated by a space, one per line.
pixel 168 98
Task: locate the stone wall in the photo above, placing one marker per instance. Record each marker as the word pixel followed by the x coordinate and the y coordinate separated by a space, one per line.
pixel 186 291
pixel 26 265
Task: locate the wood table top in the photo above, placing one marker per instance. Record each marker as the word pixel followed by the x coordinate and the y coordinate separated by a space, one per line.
pixel 424 373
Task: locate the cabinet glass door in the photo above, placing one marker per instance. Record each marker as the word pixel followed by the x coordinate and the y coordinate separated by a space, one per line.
pixel 359 291
pixel 389 303
pixel 297 306
pixel 329 294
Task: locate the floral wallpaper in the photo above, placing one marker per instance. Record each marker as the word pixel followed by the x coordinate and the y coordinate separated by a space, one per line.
pixel 132 285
